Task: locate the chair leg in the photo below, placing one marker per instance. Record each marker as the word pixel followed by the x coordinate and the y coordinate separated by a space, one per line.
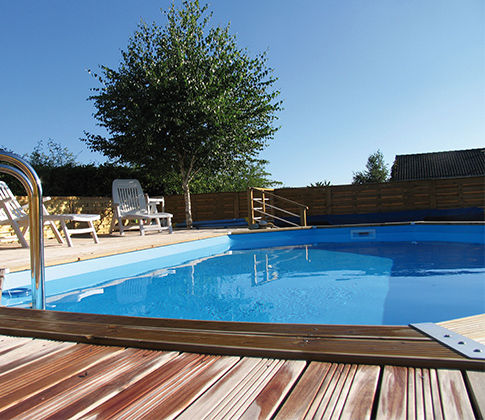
pixel 121 227
pixel 159 225
pixel 93 232
pixel 66 232
pixel 142 227
pixel 112 225
pixel 169 224
pixel 20 234
pixel 56 232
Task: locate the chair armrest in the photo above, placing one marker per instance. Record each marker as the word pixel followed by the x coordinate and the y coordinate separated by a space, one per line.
pixel 153 202
pixel 116 209
pixel 44 199
pixel 156 200
pixel 5 200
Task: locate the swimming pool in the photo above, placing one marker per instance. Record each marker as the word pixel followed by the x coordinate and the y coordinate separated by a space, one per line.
pixel 380 275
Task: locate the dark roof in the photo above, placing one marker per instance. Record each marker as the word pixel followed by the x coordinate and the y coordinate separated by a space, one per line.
pixel 453 164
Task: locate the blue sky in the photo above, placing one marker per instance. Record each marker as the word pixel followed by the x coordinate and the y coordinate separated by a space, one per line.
pixel 355 76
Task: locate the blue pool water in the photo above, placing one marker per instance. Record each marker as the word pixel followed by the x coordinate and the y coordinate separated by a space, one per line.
pixel 375 283
pixel 358 276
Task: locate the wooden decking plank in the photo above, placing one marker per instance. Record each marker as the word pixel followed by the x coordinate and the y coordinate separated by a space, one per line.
pixel 219 395
pixel 411 393
pixel 312 330
pixel 81 392
pixel 454 396
pixel 165 376
pixel 169 388
pixel 22 352
pixel 331 400
pixel 325 390
pixel 190 389
pixel 7 342
pixel 305 391
pixel 361 394
pixel 436 395
pixel 245 395
pixel 268 400
pixel 418 394
pixel 471 326
pixel 342 395
pixel 427 394
pixel 476 390
pixel 21 383
pixel 370 351
pixel 393 396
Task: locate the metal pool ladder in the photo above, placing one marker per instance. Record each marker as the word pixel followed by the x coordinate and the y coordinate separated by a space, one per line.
pixel 23 171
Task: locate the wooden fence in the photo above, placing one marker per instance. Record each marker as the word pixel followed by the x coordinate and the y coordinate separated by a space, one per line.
pixel 446 193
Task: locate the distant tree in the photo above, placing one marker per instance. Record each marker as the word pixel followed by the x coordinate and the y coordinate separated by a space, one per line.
pixel 52 155
pixel 185 99
pixel 251 174
pixel 323 183
pixel 376 170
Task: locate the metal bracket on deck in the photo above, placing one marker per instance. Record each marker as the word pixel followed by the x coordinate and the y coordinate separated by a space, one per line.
pixel 463 345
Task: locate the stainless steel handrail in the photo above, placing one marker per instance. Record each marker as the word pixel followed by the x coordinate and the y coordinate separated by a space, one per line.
pixel 23 171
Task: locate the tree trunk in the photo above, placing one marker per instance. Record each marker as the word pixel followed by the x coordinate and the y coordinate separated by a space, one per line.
pixel 188 206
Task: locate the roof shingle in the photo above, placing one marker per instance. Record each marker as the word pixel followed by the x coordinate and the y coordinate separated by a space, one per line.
pixel 452 164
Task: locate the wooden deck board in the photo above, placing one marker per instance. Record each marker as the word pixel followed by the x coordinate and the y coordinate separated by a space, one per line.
pixel 371 345
pixel 17 353
pixel 81 392
pixel 476 382
pixel 471 326
pixel 344 372
pixel 454 396
pixel 26 380
pixel 270 397
pixel 360 397
pixel 82 380
pixel 423 393
pixel 253 388
pixel 168 390
pixel 301 399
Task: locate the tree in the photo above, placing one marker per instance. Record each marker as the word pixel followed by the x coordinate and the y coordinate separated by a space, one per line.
pixel 55 156
pixel 320 184
pixel 377 170
pixel 251 174
pixel 185 99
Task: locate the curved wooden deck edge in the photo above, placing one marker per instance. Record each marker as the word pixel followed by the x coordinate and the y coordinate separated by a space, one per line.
pixel 400 345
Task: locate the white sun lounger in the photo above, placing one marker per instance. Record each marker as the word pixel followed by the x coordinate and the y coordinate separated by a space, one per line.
pixel 13 214
pixel 129 203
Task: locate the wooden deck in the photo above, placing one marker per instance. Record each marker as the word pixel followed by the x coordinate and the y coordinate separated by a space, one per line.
pixel 122 367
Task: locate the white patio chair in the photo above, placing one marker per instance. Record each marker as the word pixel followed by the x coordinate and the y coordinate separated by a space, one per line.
pixel 13 214
pixel 129 203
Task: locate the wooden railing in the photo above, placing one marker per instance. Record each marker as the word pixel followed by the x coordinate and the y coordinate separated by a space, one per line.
pixel 261 207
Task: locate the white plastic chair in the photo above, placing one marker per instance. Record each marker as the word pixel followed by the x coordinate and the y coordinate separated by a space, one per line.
pixel 129 203
pixel 13 214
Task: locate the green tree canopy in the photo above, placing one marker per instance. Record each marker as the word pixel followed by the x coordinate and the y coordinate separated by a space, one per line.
pixel 185 99
pixel 52 155
pixel 376 170
pixel 320 184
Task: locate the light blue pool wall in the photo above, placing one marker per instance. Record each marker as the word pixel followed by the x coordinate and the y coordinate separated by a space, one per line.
pixel 71 276
pixel 66 277
pixel 389 233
